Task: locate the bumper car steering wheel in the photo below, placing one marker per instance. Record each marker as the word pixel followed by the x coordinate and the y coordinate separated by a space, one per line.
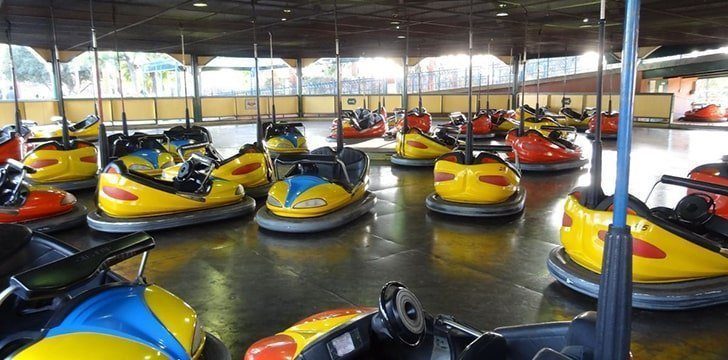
pixel 402 314
pixel 695 209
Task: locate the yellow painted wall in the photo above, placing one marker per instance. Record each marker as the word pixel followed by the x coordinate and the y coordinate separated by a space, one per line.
pixel 172 108
pixel 653 106
pixel 245 106
pixel 136 109
pixel 286 105
pixel 77 110
pixel 433 103
pixel 7 112
pixel 40 111
pixel 453 103
pixel 318 104
pixel 543 99
pixel 577 101
pixel 591 101
pixel 218 107
pixel 345 102
pixel 497 101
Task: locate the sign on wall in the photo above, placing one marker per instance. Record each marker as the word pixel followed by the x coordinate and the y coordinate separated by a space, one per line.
pixel 250 104
pixel 351 101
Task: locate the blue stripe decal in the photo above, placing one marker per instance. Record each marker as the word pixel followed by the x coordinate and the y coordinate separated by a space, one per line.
pixel 149 155
pixel 298 184
pixel 291 137
pixel 121 312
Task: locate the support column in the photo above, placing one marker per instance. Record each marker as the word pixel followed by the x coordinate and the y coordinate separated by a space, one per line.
pixel 299 85
pixel 516 60
pixel 196 99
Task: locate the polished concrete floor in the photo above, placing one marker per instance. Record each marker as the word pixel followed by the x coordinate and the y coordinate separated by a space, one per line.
pixel 247 283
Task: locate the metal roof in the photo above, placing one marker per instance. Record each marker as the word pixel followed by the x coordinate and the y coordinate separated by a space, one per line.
pixel 366 28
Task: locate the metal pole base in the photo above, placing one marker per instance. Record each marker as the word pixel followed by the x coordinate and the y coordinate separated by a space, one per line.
pixel 614 309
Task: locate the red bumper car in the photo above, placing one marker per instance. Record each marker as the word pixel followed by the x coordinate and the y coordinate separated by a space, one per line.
pixel 536 152
pixel 705 113
pixel 610 122
pixel 360 124
pixel 41 208
pixel 716 174
pixel 482 126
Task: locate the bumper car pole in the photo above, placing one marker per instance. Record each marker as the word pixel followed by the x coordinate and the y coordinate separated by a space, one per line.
pixel 595 191
pixel 98 106
pixel 469 135
pixel 59 86
pixel 184 73
pixel 272 80
pixel 259 120
pixel 339 124
pixel 18 120
pixel 615 291
pixel 124 125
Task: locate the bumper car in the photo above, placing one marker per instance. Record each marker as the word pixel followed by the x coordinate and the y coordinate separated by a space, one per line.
pixel 482 126
pixel 86 129
pixel 129 201
pixel 250 167
pixel 487 187
pixel 400 329
pixel 705 113
pixel 361 124
pixel 610 122
pixel 536 152
pixel 139 152
pixel 37 207
pixel 573 118
pixel 284 138
pixel 416 148
pixel 680 255
pixel 417 118
pixel 12 143
pixel 185 135
pixel 63 303
pixel 503 121
pixel 550 128
pixel 715 174
pixel 70 167
pixel 323 190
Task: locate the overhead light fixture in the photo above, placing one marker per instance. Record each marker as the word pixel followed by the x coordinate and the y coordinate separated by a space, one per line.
pixel 585 20
pixel 287 11
pixel 199 4
pixel 397 27
pixel 394 22
pixel 401 37
pixel 502 5
pixel 283 19
pixel 501 14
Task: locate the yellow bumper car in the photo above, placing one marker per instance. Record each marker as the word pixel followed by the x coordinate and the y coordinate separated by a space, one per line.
pixel 416 148
pixel 86 129
pixel 323 190
pixel 250 167
pixel 680 255
pixel 70 167
pixel 284 138
pixel 129 201
pixel 487 187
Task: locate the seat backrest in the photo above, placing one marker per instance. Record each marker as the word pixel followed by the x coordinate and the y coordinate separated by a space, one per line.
pixel 85 123
pixel 455 156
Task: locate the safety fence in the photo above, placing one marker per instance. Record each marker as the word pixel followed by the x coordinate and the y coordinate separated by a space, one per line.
pixel 653 106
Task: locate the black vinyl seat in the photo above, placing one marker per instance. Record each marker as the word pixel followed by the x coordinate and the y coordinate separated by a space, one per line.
pixel 85 123
pixel 192 183
pixel 196 133
pixel 572 113
pixel 280 129
pixel 356 165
